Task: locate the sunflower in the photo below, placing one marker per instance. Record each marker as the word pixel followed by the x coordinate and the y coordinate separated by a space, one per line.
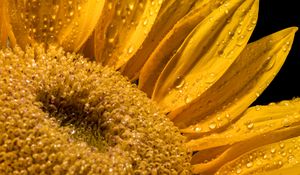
pixel 190 57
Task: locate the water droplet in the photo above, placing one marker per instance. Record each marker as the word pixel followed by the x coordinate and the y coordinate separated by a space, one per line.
pixel 53 17
pixel 130 50
pixel 284 49
pixel 281 145
pixel 145 22
pixel 250 125
pixel 111 40
pixel 109 6
pixel 180 85
pixel 131 6
pixel 151 13
pixel 197 129
pixel 221 53
pixel 286 122
pixel 250 28
pixel 271 63
pixel 227 115
pixel 72 132
pixel 249 164
pixel 257 94
pixel 118 12
pixel 210 78
pixel 188 99
pixel 273 150
pixel 212 125
pixel 238 170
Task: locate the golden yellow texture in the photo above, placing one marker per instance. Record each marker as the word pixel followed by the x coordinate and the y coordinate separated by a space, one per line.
pixel 191 57
pixel 61 114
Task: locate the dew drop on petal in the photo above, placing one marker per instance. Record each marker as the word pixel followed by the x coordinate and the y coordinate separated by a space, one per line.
pixel 145 22
pixel 257 94
pixel 250 125
pixel 130 50
pixel 180 85
pixel 238 171
pixel 273 150
pixel 197 129
pixel 249 164
pixel 212 125
pixel 188 99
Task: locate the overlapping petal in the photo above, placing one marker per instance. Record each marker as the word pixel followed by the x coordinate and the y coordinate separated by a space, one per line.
pixel 55 21
pixel 259 127
pixel 293 170
pixel 247 77
pixel 122 28
pixel 171 42
pixel 280 157
pixel 6 35
pixel 170 14
pixel 257 120
pixel 205 54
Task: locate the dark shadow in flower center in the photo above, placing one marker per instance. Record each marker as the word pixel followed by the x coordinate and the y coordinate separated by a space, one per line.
pixel 74 114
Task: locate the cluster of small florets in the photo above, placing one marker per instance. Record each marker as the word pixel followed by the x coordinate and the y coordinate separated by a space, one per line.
pixel 61 114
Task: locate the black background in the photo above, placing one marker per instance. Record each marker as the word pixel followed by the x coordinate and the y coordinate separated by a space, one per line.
pixel 275 15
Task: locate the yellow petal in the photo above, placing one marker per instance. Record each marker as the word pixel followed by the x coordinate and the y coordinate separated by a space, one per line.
pixel 206 155
pixel 88 48
pixel 253 150
pixel 170 12
pixel 206 54
pixel 293 170
pixel 3 32
pixel 227 98
pixel 276 157
pixel 122 29
pixel 6 34
pixel 171 42
pixel 67 23
pixel 256 121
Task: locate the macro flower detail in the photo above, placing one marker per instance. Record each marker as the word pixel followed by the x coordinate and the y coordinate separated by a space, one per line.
pixel 187 109
pixel 63 115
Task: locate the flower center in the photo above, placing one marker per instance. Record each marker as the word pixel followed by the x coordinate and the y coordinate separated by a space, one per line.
pixel 83 117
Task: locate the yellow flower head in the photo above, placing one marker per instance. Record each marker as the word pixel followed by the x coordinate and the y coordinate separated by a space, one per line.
pixel 191 57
